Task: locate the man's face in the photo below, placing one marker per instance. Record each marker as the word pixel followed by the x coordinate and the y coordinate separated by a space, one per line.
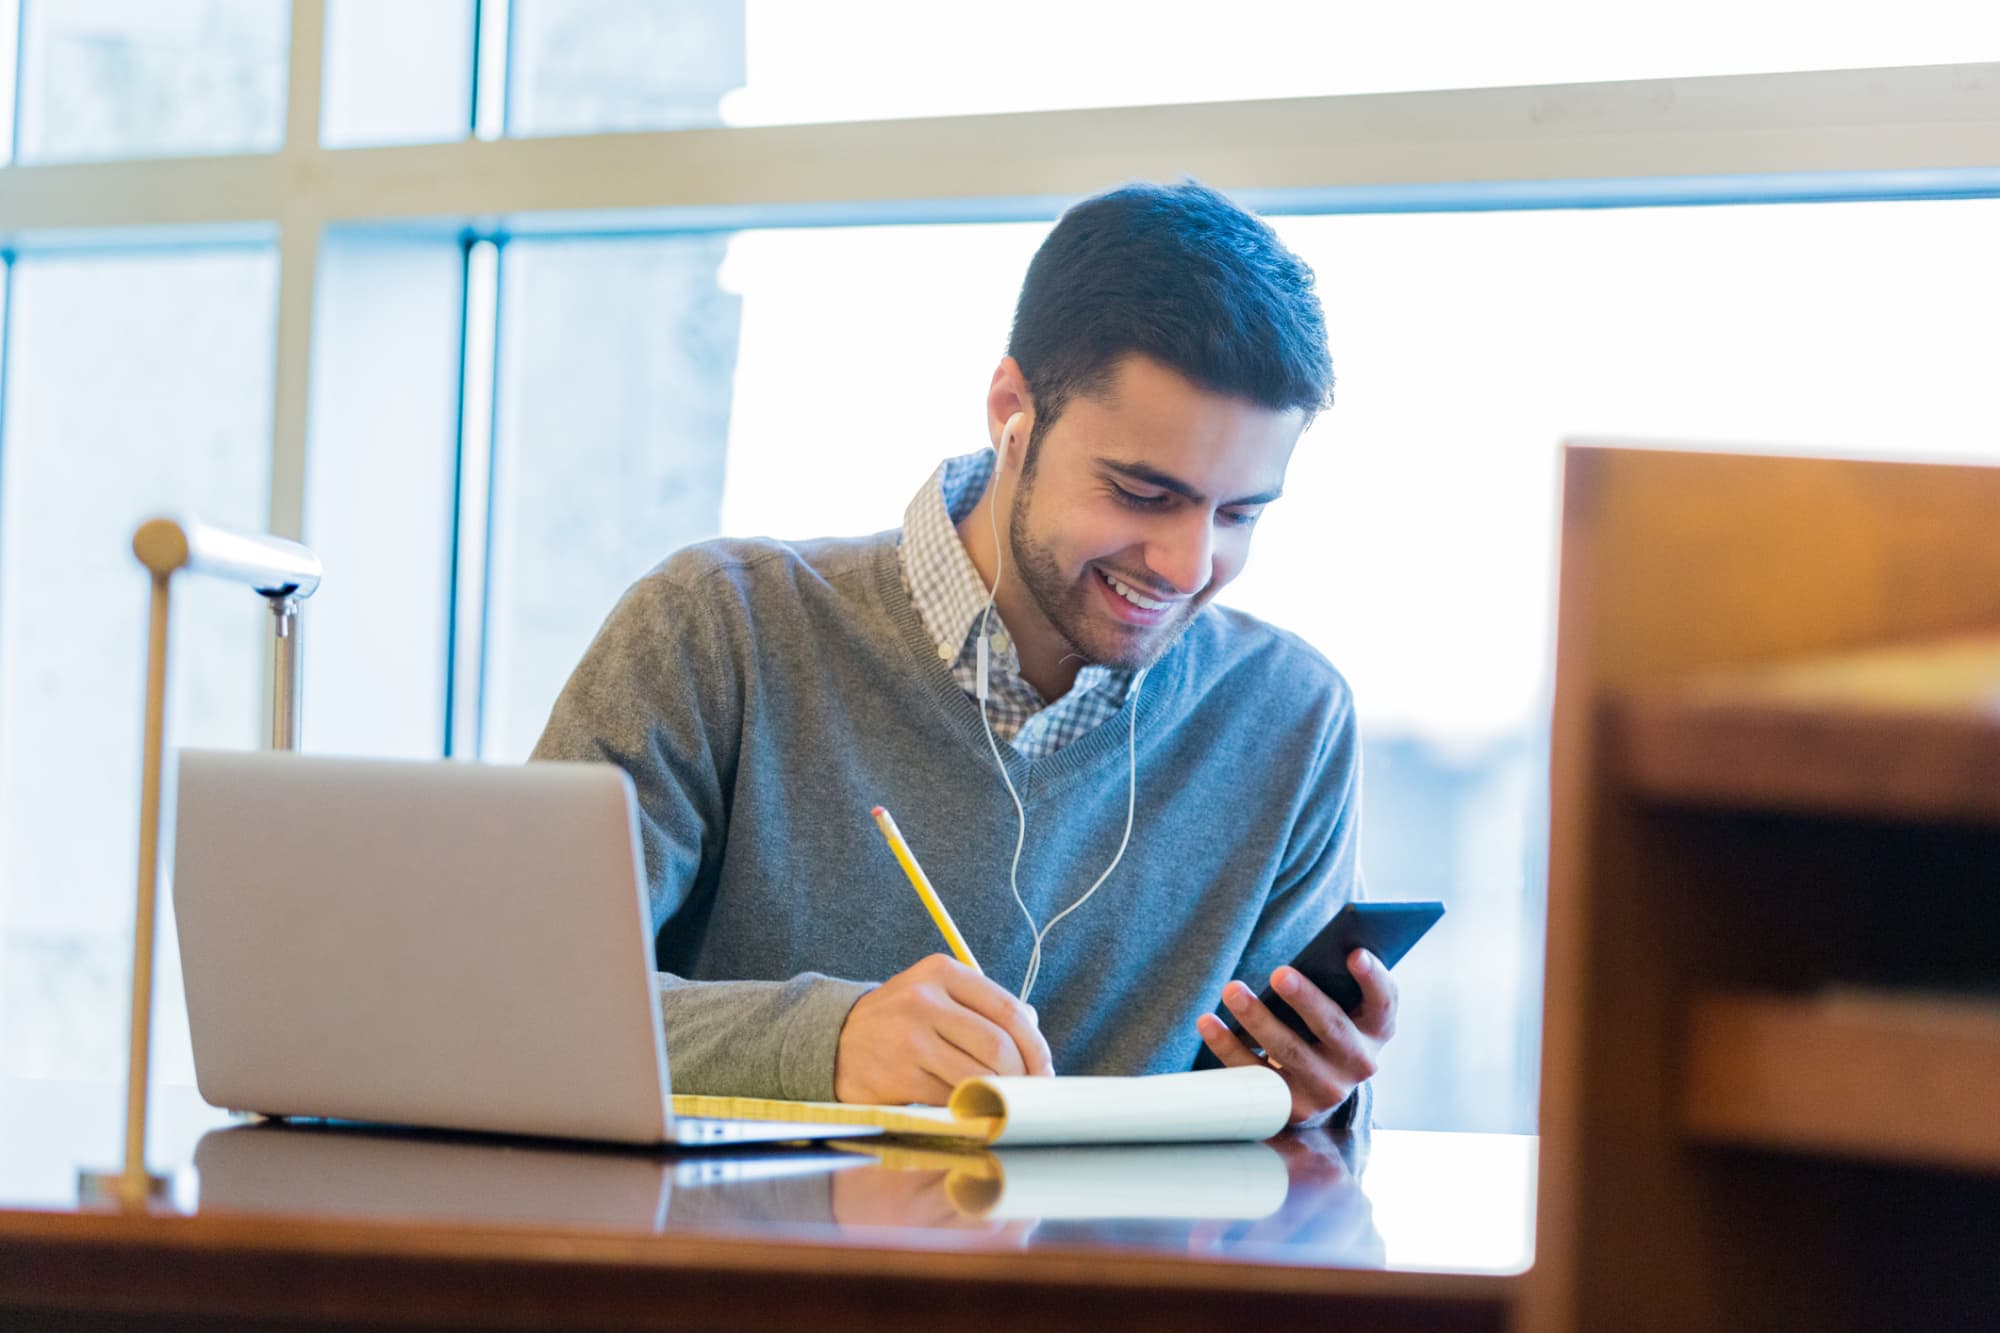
pixel 1140 507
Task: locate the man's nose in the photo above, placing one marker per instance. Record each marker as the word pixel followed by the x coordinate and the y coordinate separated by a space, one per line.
pixel 1185 555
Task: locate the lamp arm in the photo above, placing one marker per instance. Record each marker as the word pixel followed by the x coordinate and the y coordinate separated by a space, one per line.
pixel 271 565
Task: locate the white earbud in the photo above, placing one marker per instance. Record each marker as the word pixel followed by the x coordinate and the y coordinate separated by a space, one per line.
pixel 1006 439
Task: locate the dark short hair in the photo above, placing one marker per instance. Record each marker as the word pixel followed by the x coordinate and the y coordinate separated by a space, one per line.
pixel 1182 275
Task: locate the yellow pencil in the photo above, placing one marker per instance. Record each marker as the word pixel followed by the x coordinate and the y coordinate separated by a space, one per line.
pixel 922 885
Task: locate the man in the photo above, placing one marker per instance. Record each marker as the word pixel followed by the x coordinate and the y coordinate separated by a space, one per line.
pixel 1166 355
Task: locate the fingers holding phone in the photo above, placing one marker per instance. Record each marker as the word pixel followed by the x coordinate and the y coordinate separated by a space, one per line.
pixel 1338 1053
pixel 1376 1015
pixel 1322 1020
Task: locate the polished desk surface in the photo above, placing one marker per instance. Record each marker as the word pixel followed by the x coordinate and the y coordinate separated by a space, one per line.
pixel 264 1220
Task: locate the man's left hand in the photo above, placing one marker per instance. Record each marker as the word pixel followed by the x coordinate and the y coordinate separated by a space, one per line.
pixel 1324 1072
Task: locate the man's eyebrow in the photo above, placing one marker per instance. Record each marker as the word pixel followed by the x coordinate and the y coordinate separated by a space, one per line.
pixel 1149 476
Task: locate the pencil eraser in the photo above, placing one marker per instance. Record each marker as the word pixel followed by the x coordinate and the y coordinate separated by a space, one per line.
pixel 878 812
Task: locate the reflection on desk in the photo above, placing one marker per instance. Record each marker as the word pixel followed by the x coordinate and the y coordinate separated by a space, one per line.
pixel 354 1171
pixel 1293 1198
pixel 1214 1180
pixel 1428 1202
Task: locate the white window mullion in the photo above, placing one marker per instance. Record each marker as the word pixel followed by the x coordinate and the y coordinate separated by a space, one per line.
pixel 491 65
pixel 10 79
pixel 473 505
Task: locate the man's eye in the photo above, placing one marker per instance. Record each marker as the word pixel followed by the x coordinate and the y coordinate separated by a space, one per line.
pixel 1133 500
pixel 1240 518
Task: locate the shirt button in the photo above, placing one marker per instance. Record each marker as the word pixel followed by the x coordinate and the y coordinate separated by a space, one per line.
pixel 999 643
pixel 944 652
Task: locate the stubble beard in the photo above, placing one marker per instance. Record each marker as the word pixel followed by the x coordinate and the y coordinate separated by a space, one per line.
pixel 1064 602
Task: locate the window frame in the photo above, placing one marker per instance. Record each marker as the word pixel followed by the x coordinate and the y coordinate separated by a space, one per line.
pixel 1908 132
pixel 1893 133
pixel 1902 133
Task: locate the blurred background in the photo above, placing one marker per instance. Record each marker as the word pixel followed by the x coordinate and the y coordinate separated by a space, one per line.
pixel 219 296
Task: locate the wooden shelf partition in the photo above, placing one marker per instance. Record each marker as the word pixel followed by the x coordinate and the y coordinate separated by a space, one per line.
pixel 1903 732
pixel 1774 774
pixel 1877 1075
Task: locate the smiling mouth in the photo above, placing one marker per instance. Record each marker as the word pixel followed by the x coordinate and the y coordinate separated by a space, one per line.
pixel 1132 595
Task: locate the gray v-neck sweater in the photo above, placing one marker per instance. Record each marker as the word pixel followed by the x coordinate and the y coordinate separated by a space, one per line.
pixel 763 696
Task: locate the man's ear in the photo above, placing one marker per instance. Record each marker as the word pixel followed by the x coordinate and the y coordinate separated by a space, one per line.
pixel 1008 394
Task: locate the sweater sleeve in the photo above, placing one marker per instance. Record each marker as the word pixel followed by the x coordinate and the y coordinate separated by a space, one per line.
pixel 656 694
pixel 1321 872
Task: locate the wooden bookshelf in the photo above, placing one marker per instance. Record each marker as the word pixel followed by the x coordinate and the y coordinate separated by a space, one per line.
pixel 1770 1098
pixel 1877 1075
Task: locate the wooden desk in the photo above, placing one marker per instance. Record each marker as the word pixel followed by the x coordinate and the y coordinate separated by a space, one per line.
pixel 315 1225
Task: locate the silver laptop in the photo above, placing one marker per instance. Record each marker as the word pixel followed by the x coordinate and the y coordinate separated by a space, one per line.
pixel 427 943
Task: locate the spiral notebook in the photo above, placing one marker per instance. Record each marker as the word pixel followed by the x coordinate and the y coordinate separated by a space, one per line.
pixel 1214 1105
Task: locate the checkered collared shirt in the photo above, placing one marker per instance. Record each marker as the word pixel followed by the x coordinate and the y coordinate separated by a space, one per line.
pixel 951 598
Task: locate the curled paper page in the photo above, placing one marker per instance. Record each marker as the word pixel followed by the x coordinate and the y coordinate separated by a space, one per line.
pixel 1214 1105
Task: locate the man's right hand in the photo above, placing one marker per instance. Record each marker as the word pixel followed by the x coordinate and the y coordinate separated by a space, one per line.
pixel 913 1038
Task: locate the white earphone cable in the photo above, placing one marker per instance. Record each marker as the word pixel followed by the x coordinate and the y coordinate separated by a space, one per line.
pixel 1131 802
pixel 1034 968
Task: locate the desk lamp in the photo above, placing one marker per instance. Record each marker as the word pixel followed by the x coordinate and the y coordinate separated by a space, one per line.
pixel 284 574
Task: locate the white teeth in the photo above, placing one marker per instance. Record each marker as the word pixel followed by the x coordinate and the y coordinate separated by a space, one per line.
pixel 1125 591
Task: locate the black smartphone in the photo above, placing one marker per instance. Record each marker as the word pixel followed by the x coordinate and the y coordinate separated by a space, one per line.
pixel 1387 930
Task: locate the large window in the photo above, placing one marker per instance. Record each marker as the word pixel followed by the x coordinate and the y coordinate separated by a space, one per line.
pixel 491 402
pixel 135 385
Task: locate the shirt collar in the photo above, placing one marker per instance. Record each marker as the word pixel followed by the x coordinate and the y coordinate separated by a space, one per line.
pixel 949 595
pixel 947 590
